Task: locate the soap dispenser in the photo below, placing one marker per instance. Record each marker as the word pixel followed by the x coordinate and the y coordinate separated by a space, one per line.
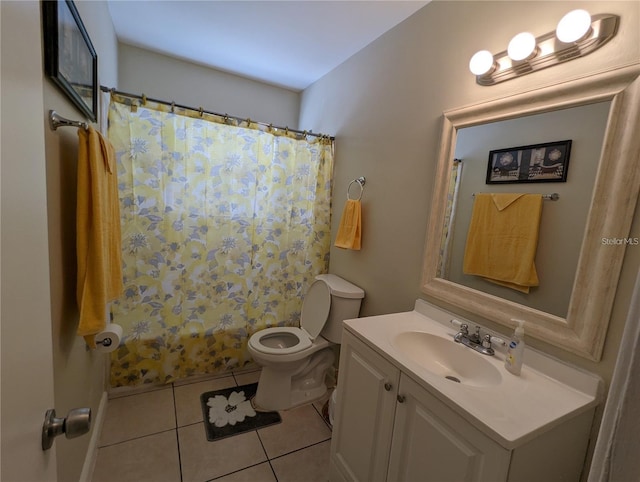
pixel 515 350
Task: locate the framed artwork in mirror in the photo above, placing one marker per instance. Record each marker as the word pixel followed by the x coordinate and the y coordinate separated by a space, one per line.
pixel 70 60
pixel 548 162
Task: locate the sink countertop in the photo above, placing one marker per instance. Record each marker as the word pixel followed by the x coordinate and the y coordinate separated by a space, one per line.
pixel 517 409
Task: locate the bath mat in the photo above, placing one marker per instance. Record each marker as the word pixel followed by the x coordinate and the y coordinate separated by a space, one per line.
pixel 229 412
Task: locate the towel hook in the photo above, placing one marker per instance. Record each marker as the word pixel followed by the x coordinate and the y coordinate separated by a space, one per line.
pixel 361 182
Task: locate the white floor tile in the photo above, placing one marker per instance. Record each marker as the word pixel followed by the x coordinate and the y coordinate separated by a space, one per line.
pixel 202 460
pixel 300 427
pixel 153 458
pixel 308 465
pixel 247 377
pixel 137 416
pixel 257 473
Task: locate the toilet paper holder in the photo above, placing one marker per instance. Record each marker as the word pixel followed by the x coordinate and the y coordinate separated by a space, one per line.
pixel 108 339
pixel 106 342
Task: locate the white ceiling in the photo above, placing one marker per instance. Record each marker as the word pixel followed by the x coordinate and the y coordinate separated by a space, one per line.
pixel 286 43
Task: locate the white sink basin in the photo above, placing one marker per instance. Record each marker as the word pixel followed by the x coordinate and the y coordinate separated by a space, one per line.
pixel 447 358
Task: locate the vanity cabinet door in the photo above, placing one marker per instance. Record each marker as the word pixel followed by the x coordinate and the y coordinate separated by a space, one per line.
pixel 433 443
pixel 366 400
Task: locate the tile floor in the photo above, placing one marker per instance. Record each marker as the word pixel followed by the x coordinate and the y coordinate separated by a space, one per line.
pixel 159 436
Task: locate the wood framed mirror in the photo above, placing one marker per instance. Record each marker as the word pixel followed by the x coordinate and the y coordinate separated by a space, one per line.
pixel 610 211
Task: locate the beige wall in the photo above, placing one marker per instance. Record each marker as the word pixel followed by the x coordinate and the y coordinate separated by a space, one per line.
pixel 384 105
pixel 79 375
pixel 170 79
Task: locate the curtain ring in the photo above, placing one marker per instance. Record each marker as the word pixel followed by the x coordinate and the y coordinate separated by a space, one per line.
pixel 201 111
pixel 144 99
pixel 361 182
pixel 173 107
pixel 248 121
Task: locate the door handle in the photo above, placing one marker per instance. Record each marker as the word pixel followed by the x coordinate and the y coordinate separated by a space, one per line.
pixel 76 423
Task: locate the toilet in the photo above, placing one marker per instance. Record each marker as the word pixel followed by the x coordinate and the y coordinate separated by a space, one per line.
pixel 295 361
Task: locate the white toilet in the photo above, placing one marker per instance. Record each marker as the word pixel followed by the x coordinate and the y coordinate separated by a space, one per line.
pixel 295 360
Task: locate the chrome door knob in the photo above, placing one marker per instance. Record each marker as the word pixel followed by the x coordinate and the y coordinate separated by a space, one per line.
pixel 76 423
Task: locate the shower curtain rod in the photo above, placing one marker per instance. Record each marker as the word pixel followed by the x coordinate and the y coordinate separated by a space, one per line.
pixel 248 121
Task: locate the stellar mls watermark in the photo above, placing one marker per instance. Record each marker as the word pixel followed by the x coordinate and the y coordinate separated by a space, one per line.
pixel 621 241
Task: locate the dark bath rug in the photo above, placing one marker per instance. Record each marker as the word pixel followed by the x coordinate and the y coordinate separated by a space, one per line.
pixel 229 412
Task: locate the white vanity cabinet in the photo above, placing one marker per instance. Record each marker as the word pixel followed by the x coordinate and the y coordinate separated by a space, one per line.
pixel 432 443
pixel 365 411
pixel 389 427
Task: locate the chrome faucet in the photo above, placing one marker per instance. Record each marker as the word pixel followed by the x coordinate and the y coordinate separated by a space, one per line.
pixel 475 341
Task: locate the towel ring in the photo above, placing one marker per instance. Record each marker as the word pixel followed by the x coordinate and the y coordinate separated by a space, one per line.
pixel 361 182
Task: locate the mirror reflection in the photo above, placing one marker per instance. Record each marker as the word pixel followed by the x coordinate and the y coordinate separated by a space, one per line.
pixel 563 221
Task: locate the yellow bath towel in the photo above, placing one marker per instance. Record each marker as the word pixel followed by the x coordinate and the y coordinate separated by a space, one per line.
pixel 350 230
pixel 503 238
pixel 98 240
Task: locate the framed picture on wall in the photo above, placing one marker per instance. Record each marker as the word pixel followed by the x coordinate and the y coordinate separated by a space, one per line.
pixel 548 162
pixel 69 57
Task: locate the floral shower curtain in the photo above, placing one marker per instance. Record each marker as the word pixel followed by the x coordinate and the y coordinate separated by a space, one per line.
pixel 449 218
pixel 224 228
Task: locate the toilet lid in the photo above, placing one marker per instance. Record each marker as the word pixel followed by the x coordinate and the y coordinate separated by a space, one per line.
pixel 315 309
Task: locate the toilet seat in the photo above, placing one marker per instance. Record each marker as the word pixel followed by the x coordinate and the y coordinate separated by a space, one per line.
pixel 265 341
pixel 283 340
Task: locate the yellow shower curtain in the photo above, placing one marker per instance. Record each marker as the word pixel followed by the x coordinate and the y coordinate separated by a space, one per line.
pixel 224 227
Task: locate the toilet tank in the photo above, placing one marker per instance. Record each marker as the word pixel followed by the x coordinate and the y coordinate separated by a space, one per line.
pixel 346 299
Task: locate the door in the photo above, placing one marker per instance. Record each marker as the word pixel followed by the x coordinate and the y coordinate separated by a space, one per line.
pixel 26 344
pixel 361 439
pixel 431 443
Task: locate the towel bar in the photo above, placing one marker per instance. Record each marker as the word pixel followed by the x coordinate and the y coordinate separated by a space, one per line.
pixel 554 196
pixel 56 120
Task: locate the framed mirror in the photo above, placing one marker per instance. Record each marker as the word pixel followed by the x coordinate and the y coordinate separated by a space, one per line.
pixel 580 323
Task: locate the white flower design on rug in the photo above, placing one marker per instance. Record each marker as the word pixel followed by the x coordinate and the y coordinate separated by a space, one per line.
pixel 229 411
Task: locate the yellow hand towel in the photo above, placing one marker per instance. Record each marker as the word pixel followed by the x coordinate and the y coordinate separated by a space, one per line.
pixel 98 240
pixel 503 238
pixel 350 230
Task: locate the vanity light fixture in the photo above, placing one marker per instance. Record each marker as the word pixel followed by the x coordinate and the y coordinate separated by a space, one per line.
pixel 574 26
pixel 482 63
pixel 577 34
pixel 522 47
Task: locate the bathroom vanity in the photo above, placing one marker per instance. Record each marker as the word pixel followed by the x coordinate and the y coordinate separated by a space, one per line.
pixel 414 405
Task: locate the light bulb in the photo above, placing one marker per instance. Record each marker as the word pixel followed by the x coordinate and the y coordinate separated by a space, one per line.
pixel 522 46
pixel 481 62
pixel 573 26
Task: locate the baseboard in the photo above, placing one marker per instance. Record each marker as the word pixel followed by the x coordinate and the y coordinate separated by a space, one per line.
pixel 92 450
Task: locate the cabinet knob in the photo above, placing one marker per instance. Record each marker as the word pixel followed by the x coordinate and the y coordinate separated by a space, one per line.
pixel 401 398
pixel 388 386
